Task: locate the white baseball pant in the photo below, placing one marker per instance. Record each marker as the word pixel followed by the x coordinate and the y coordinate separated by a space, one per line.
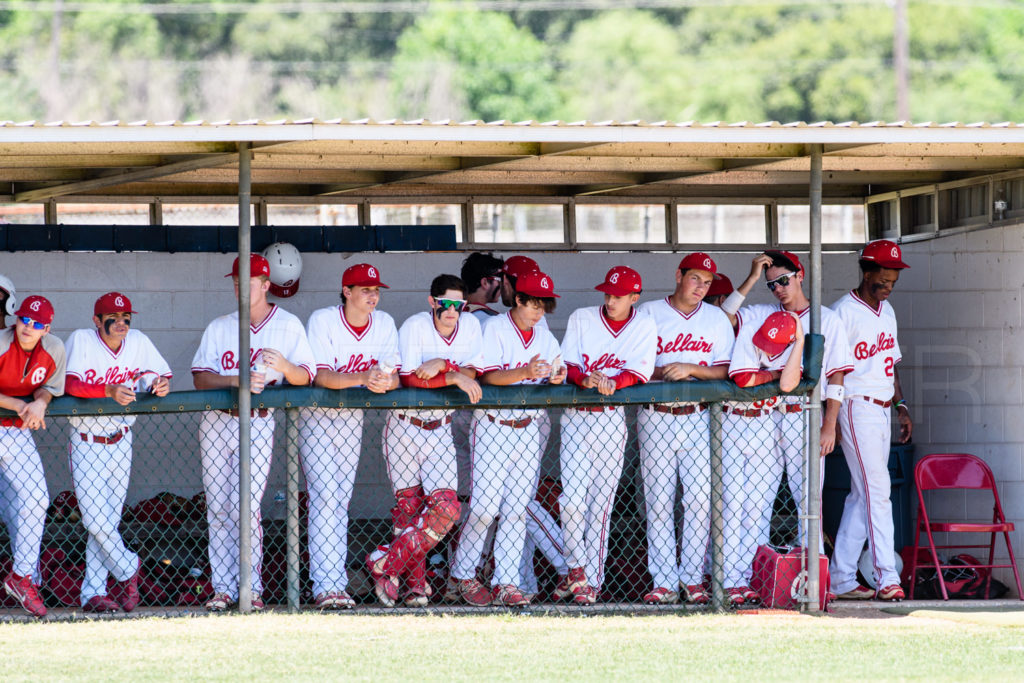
pixel 593 448
pixel 24 488
pixel 543 534
pixel 748 448
pixel 505 464
pixel 676 450
pixel 329 443
pixel 791 434
pixel 218 443
pixel 100 474
pixel 419 457
pixel 865 432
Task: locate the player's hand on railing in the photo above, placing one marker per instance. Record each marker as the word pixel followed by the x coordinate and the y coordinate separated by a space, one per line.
pixel 33 414
pixel 468 385
pixel 161 386
pixel 558 377
pixel 538 368
pixel 120 393
pixel 676 372
pixel 377 380
pixel 430 368
pixel 257 382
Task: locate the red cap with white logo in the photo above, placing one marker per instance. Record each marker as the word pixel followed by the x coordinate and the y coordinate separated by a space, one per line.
pixel 112 302
pixel 720 286
pixel 791 259
pixel 36 307
pixel 885 253
pixel 258 266
pixel 536 284
pixel 362 275
pixel 776 333
pixel 621 281
pixel 517 266
pixel 699 261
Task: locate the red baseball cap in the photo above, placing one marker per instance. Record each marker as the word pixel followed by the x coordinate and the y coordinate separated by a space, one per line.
pixel 699 261
pixel 258 265
pixel 112 302
pixel 885 253
pixel 620 281
pixel 516 266
pixel 36 307
pixel 536 284
pixel 776 333
pixel 788 256
pixel 720 286
pixel 362 275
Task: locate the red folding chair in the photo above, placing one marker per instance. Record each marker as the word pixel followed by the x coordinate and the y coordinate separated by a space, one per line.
pixel 959 471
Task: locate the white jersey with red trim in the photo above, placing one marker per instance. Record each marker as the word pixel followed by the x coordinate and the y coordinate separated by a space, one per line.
pixel 505 348
pixel 590 344
pixel 702 337
pixel 136 364
pixel 280 330
pixel 871 336
pixel 837 356
pixel 419 341
pixel 338 347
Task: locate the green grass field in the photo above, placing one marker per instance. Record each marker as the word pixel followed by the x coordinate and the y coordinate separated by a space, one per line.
pixel 331 647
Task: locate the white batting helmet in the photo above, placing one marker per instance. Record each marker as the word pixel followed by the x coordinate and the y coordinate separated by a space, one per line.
pixel 12 299
pixel 285 268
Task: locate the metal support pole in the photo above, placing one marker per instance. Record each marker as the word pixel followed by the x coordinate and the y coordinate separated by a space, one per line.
pixel 291 447
pixel 812 511
pixel 245 531
pixel 717 511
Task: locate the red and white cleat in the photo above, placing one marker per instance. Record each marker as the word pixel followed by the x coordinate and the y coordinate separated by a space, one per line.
pixel 25 592
pixel 661 596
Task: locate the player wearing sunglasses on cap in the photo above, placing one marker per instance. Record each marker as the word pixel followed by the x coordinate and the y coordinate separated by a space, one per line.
pixel 438 348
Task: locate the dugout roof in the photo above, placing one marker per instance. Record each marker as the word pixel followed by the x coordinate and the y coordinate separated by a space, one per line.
pixel 339 160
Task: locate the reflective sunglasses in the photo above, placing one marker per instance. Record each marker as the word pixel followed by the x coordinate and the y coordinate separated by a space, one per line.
pixel 458 304
pixel 25 320
pixel 782 280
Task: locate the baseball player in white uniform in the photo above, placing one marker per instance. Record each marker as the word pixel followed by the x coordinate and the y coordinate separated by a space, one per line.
pixel 279 353
pixel 785 275
pixel 506 443
pixel 694 343
pixel 438 348
pixel 108 360
pixel 355 345
pixel 872 389
pixel 32 363
pixel 607 348
pixel 769 352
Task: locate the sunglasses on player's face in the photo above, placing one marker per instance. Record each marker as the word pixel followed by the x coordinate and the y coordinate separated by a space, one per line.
pixel 29 322
pixel 782 280
pixel 457 304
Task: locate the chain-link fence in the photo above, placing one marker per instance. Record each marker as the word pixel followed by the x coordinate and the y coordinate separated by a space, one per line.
pixel 567 498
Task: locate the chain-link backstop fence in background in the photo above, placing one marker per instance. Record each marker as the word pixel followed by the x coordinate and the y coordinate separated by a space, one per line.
pixel 557 494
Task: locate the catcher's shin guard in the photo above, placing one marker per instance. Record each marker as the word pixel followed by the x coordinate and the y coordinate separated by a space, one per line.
pixel 442 510
pixel 408 504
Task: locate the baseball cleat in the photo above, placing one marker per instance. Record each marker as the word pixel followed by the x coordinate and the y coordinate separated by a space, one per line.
pixel 890 593
pixel 257 603
pixel 220 602
pixel 661 596
pixel 25 592
pixel 126 593
pixel 584 595
pixel 858 593
pixel 386 587
pixel 416 600
pixel 734 597
pixel 508 595
pixel 696 595
pixel 100 604
pixel 750 596
pixel 451 590
pixel 473 593
pixel 331 600
pixel 562 590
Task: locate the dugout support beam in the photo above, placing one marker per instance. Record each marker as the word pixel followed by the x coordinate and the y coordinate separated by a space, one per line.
pixel 812 497
pixel 244 397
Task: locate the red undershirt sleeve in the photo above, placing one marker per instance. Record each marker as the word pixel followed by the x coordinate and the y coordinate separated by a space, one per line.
pixel 80 389
pixel 438 381
pixel 625 379
pixel 575 375
pixel 759 377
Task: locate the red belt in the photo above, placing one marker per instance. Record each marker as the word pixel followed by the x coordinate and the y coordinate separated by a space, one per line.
pixel 255 412
pixel 425 424
pixel 107 440
pixel 884 404
pixel 594 409
pixel 789 408
pixel 753 412
pixel 514 424
pixel 679 410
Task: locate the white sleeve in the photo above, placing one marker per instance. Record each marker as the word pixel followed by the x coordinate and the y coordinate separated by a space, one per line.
pixel 155 361
pixel 837 357
pixel 493 351
pixel 642 364
pixel 725 340
pixel 733 302
pixel 76 360
pixel 744 354
pixel 389 348
pixel 207 358
pixel 571 353
pixel 301 352
pixel 475 356
pixel 409 347
pixel 319 336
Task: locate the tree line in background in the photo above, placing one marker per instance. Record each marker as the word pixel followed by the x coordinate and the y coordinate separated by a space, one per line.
pixel 731 62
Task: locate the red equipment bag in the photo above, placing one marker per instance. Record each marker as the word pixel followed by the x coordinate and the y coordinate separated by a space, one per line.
pixel 778 579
